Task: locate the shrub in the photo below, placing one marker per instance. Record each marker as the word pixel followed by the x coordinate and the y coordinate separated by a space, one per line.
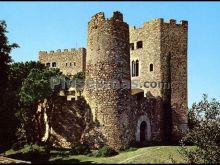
pixel 80 148
pixel 33 153
pixel 204 119
pixel 106 151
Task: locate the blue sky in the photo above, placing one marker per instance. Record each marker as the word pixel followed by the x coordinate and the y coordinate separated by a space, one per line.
pixel 48 26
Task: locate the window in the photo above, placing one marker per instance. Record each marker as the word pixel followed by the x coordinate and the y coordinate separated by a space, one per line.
pixel 139 44
pixel 48 64
pixel 66 64
pixel 70 64
pixel 132 46
pixel 132 68
pixel 151 67
pixel 54 64
pixel 137 68
pixel 74 63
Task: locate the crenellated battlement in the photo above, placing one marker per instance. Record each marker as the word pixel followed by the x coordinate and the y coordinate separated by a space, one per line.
pixel 62 51
pixel 171 22
pixel 99 19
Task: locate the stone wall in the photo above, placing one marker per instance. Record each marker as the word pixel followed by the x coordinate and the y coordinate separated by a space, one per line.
pixel 116 111
pixel 174 69
pixel 108 59
pixel 150 35
pixel 68 61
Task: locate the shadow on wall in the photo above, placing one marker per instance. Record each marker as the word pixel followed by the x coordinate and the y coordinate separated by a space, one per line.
pixel 70 123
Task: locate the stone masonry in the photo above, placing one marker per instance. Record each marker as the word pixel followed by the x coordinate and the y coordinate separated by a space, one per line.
pixel 136 80
pixel 69 61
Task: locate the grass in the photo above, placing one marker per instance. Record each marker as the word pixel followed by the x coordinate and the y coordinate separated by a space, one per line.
pixel 147 155
pixel 156 154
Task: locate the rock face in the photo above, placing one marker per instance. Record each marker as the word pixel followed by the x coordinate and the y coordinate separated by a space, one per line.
pixel 112 109
pixel 64 122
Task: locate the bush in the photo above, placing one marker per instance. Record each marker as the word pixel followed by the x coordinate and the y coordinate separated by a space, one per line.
pixel 80 149
pixel 33 153
pixel 105 151
pixel 204 119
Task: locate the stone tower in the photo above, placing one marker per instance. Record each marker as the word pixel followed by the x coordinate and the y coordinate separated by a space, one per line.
pixel 108 66
pixel 159 56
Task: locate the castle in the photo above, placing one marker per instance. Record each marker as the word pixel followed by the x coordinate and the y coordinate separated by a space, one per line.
pixel 149 67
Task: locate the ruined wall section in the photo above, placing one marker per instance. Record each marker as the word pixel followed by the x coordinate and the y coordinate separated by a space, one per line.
pixel 108 58
pixel 174 69
pixel 150 35
pixel 68 61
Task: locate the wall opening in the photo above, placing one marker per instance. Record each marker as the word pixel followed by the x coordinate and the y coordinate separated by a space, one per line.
pixel 139 44
pixel 48 64
pixel 137 68
pixel 132 46
pixel 132 68
pixel 151 67
pixel 143 131
pixel 54 64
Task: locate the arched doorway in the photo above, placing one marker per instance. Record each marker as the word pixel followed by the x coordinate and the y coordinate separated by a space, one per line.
pixel 143 131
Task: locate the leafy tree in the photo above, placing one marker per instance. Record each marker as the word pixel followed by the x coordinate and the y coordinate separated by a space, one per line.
pixel 35 88
pixel 5 58
pixel 19 71
pixel 204 124
pixel 6 116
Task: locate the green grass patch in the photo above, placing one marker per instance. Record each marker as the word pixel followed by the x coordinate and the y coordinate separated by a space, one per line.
pixel 156 154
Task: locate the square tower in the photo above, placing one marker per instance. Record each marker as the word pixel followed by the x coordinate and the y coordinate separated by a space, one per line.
pixel 159 66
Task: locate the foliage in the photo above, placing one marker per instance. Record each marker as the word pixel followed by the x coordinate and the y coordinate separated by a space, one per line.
pixel 80 149
pixel 106 151
pixel 37 86
pixel 7 119
pixel 5 58
pixel 19 71
pixel 79 76
pixel 32 152
pixel 204 123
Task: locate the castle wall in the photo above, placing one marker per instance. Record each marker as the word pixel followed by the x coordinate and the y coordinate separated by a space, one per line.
pixel 174 69
pixel 150 110
pixel 68 61
pixel 108 59
pixel 164 46
pixel 116 111
pixel 150 35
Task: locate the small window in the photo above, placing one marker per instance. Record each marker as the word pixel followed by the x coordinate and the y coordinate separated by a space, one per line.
pixel 66 64
pixel 137 68
pixel 74 63
pixel 139 44
pixel 132 46
pixel 70 64
pixel 133 69
pixel 48 64
pixel 54 64
pixel 151 67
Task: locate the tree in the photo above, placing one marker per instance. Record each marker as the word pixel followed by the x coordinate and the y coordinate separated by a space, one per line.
pixel 204 124
pixel 35 88
pixel 6 116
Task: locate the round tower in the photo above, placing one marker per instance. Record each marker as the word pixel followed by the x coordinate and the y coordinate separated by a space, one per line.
pixel 108 82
